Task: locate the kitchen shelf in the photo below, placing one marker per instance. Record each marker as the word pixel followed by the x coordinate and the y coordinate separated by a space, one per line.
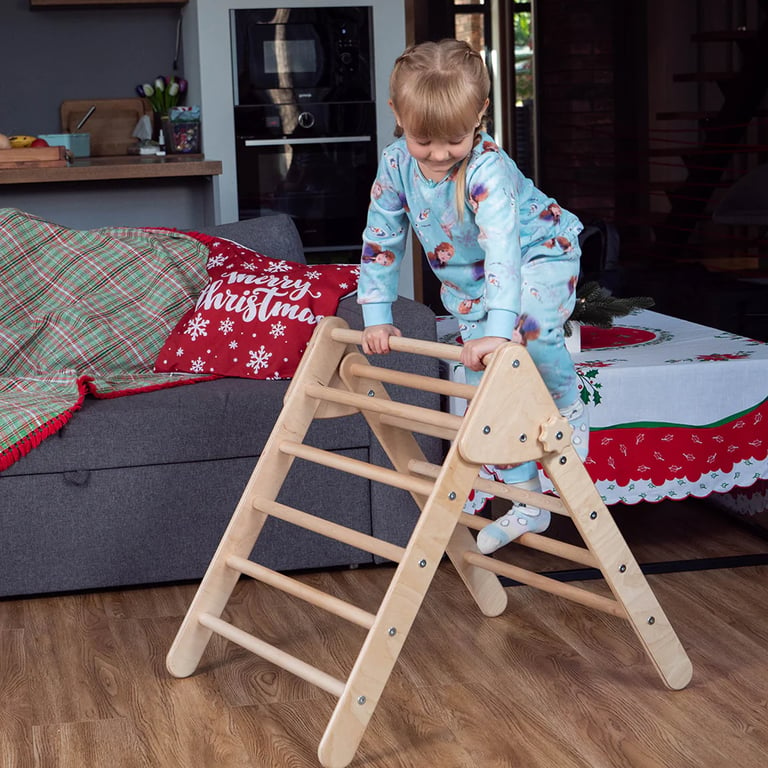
pixel 116 168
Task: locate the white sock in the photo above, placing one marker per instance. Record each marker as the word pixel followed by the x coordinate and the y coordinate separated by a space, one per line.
pixel 521 518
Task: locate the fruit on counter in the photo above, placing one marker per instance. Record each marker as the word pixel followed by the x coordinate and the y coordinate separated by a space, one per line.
pixel 19 142
pixel 39 143
pixel 5 142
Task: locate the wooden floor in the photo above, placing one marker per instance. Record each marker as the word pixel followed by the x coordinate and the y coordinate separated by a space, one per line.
pixel 547 685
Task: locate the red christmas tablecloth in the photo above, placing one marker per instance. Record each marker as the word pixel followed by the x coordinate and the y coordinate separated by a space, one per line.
pixel 676 409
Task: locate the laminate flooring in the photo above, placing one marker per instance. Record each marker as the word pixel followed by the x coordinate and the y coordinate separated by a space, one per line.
pixel 549 684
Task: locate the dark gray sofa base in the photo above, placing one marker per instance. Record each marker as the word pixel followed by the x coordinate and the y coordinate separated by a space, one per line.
pixel 146 530
pixel 139 489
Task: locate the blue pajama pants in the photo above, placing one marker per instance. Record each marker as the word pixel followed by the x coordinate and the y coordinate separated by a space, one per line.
pixel 547 300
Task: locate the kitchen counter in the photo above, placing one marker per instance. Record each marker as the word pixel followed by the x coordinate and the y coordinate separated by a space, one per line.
pixel 130 190
pixel 116 168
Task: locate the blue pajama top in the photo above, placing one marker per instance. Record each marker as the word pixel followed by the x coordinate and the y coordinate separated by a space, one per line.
pixel 507 222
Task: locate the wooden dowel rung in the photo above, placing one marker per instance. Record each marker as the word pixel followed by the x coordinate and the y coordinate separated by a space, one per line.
pixel 538 542
pixel 357 467
pixel 546 584
pixel 402 344
pixel 330 529
pixel 364 403
pixel 421 428
pixel 414 381
pixel 508 492
pixel 304 592
pixel 273 654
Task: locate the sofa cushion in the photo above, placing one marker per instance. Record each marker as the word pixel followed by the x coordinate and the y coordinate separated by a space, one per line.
pixel 255 316
pixel 275 235
pixel 221 419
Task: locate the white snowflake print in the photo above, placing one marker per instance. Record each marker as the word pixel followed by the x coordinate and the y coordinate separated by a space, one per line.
pixel 313 275
pixel 216 261
pixel 233 344
pixel 197 365
pixel 259 359
pixel 278 266
pixel 278 329
pixel 343 286
pixel 226 326
pixel 197 327
pixel 179 351
pixel 250 265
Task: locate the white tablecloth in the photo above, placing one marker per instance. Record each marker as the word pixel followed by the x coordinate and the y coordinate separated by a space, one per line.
pixel 676 409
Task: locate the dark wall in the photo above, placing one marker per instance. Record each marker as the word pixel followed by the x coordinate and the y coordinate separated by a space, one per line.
pixel 47 56
pixel 590 60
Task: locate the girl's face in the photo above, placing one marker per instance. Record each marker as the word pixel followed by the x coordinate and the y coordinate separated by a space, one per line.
pixel 436 157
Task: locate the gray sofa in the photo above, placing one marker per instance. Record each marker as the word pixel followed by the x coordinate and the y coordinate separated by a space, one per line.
pixel 138 489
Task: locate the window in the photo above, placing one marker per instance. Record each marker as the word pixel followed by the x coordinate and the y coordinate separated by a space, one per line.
pixel 503 33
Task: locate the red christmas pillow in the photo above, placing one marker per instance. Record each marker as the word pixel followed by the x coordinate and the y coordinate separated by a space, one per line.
pixel 255 316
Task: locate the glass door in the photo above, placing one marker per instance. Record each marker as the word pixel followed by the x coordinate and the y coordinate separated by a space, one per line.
pixel 503 32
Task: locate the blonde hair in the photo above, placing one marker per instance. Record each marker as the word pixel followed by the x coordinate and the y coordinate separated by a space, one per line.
pixel 440 90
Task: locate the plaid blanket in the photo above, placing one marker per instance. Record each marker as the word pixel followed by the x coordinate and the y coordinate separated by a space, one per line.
pixel 84 312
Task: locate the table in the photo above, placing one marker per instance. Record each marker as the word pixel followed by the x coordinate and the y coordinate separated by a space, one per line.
pixel 677 409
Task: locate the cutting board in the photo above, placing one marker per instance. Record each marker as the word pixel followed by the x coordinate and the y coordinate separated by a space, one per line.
pixel 110 126
pixel 33 157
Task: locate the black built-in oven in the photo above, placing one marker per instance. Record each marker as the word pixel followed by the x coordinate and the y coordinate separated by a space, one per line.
pixel 305 122
pixel 315 162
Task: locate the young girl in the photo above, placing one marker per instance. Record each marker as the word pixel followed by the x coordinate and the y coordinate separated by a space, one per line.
pixel 506 254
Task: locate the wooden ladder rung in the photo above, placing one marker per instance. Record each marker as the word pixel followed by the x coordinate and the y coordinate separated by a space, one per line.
pixel 416 413
pixel 309 594
pixel 508 492
pixel 546 584
pixel 357 467
pixel 414 381
pixel 402 344
pixel 443 433
pixel 272 653
pixel 330 530
pixel 540 543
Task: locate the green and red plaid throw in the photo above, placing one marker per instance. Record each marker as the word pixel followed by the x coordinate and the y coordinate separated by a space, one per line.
pixel 84 312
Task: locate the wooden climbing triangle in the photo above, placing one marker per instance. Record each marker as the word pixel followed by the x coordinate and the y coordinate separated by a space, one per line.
pixel 335 379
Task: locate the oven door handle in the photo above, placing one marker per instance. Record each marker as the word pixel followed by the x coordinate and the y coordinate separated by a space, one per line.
pixel 312 140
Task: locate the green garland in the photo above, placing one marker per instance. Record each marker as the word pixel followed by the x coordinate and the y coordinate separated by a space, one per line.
pixel 596 306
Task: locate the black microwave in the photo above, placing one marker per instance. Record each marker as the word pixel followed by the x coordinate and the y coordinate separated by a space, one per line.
pixel 292 55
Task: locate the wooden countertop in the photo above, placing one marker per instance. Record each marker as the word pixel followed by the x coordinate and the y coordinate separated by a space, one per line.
pixel 116 168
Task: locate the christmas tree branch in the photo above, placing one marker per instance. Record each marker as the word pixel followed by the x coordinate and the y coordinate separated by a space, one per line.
pixel 596 306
